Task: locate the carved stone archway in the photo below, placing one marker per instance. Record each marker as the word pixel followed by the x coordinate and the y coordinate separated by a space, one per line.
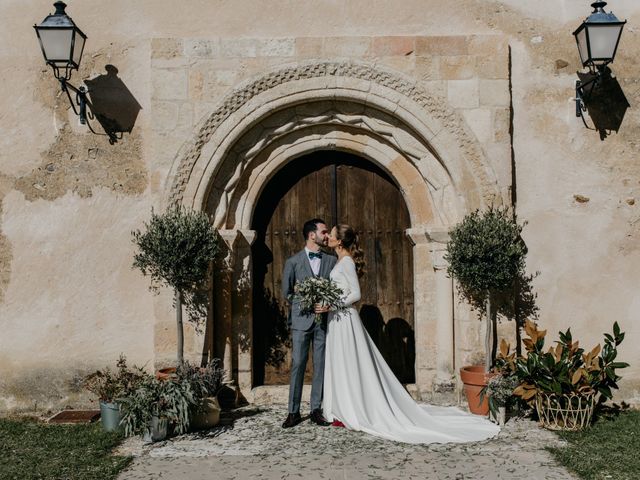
pixel 379 115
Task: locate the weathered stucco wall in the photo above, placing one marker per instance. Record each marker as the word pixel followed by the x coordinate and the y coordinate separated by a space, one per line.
pixel 68 200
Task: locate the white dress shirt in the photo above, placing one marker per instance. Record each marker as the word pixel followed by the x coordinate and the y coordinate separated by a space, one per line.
pixel 315 262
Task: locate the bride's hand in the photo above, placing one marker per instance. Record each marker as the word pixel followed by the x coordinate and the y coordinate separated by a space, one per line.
pixel 319 308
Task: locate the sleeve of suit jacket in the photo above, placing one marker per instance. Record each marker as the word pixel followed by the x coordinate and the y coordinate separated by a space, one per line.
pixel 288 279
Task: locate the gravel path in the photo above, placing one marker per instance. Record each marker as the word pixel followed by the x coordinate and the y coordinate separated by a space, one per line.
pixel 250 443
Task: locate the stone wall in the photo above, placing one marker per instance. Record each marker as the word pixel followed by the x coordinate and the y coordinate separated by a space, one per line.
pixel 69 301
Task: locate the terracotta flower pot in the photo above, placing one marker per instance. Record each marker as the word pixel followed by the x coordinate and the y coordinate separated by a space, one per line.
pixel 165 373
pixel 475 379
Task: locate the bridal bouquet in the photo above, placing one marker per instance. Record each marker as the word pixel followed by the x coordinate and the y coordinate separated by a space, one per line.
pixel 320 290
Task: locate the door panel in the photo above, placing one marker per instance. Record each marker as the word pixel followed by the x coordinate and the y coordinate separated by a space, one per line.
pixel 329 185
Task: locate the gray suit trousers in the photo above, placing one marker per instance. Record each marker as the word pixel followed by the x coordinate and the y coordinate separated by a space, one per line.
pixel 301 341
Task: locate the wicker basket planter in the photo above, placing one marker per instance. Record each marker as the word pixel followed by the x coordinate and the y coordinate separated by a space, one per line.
pixel 565 412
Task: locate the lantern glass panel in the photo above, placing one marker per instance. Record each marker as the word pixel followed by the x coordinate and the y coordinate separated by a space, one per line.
pixel 603 40
pixel 581 38
pixel 78 47
pixel 56 44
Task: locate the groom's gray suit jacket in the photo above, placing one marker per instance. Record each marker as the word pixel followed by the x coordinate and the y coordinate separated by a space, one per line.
pixel 296 269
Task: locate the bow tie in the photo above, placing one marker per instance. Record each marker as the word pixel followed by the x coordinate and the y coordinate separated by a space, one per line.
pixel 313 255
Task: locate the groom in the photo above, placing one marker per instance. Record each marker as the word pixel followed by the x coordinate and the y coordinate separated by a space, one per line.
pixel 304 329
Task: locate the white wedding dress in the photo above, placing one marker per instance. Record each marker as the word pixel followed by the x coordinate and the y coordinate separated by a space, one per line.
pixel 361 391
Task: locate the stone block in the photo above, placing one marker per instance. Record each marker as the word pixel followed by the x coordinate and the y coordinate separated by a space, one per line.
pixel 185 118
pixel 463 93
pixel 347 46
pixel 492 67
pixel 165 115
pixel 238 47
pixel 202 48
pixel 404 64
pixel 169 84
pixel 202 111
pixel 275 47
pixel 427 68
pixel 208 78
pixel 499 155
pixel 166 47
pixel 173 62
pixel 196 84
pixel 393 46
pixel 444 45
pixel 494 93
pixel 490 45
pixel 480 122
pixel 458 67
pixel 436 87
pixel 501 125
pixel 308 46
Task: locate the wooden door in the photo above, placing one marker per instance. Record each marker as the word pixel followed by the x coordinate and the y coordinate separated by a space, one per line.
pixel 339 188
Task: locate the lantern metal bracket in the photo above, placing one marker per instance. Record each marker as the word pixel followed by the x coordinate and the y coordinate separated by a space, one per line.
pixel 583 93
pixel 81 102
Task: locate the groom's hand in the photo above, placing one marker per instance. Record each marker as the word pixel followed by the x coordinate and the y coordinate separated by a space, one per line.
pixel 319 308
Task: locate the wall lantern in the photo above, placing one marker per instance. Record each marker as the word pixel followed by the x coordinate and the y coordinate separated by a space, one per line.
pixel 62 43
pixel 597 38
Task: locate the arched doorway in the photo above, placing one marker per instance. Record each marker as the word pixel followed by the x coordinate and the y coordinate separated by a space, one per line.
pixel 340 188
pixel 407 129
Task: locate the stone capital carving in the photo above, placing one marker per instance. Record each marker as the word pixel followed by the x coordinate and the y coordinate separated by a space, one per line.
pixel 248 235
pixel 229 237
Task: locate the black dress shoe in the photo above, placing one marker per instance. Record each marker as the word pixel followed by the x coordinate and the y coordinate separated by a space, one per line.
pixel 292 420
pixel 317 418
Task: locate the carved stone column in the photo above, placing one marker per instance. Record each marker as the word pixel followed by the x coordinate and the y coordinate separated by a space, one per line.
pixel 445 329
pixel 233 316
pixel 433 311
pixel 242 310
pixel 222 293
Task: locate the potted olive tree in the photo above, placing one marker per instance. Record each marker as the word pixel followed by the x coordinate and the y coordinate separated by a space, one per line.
pixel 486 256
pixel 176 249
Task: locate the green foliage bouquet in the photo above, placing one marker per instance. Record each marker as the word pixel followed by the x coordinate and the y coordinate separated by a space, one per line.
pixel 109 385
pixel 171 399
pixel 318 290
pixel 204 381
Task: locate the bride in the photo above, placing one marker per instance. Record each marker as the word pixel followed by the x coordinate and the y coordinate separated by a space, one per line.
pixel 360 390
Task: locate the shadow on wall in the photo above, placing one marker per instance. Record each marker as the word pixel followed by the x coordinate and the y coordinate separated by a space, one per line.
pixel 605 102
pixel 112 104
pixel 395 339
pixel 271 340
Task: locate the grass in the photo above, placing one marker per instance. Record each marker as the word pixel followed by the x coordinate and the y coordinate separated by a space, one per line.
pixel 30 449
pixel 610 449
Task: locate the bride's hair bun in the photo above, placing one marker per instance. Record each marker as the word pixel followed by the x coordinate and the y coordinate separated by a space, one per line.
pixel 350 241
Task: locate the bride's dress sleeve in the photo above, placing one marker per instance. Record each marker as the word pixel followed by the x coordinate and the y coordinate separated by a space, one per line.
pixel 353 293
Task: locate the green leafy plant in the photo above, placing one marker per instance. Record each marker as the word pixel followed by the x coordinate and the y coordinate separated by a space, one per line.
pixel 486 256
pixel 565 369
pixel 171 399
pixel 204 381
pixel 499 391
pixel 176 249
pixel 108 385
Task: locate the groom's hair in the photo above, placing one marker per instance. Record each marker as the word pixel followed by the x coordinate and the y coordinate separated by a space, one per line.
pixel 311 226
